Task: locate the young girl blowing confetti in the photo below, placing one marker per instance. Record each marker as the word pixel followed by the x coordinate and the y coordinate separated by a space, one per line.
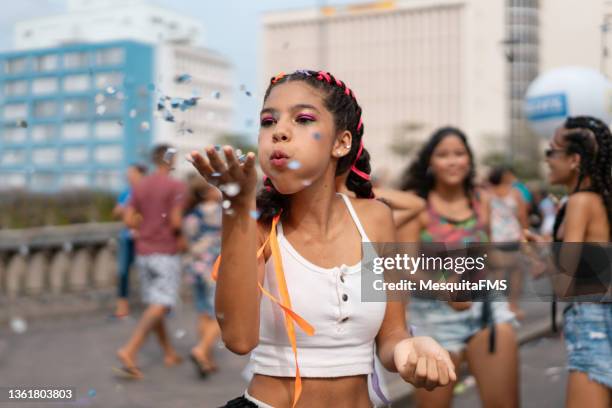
pixel 308 264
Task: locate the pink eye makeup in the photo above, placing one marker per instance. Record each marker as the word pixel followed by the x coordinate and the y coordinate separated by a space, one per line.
pixel 305 117
pixel 267 121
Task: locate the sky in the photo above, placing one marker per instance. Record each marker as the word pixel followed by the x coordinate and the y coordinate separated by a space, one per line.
pixel 231 27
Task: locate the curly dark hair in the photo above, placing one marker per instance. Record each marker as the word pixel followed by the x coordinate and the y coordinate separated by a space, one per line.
pixel 341 102
pixel 591 139
pixel 417 176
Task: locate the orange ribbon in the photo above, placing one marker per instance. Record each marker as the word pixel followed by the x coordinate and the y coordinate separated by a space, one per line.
pixel 284 302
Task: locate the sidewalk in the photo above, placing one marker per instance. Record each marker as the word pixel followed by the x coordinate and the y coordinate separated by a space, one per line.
pixel 79 352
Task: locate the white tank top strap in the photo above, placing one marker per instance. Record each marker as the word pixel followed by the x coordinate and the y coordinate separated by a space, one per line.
pixel 347 201
pixel 349 206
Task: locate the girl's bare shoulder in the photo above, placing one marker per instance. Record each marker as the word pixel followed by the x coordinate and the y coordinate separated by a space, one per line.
pixel 376 218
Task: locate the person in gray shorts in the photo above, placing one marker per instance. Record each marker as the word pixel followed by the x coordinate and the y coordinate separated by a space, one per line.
pixel 155 211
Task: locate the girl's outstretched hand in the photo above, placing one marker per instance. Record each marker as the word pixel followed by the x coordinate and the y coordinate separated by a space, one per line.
pixel 236 178
pixel 422 362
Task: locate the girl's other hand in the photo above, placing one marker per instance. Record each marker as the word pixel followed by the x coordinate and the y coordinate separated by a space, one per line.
pixel 422 362
pixel 232 171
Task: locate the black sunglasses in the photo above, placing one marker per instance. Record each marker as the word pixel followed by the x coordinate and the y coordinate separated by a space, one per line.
pixel 551 152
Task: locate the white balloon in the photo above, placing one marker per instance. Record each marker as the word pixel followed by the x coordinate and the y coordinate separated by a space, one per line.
pixel 563 92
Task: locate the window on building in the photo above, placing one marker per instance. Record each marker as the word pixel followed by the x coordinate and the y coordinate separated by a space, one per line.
pixel 44 85
pixel 76 107
pixel 112 106
pixel 45 109
pixel 43 180
pixel 76 83
pixel 15 88
pixel 107 129
pixel 75 180
pixel 108 180
pixel 13 134
pixel 15 111
pixel 76 60
pixel 108 154
pixel 12 157
pixel 72 155
pixel 12 180
pixel 110 56
pixel 15 65
pixel 44 156
pixel 45 63
pixel 75 131
pixel 44 133
pixel 106 79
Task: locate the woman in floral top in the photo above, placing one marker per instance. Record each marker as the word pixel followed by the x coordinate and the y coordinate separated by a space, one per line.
pixel 202 230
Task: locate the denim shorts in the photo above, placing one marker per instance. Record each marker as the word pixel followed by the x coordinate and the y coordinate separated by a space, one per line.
pixel 452 328
pixel 204 296
pixel 588 339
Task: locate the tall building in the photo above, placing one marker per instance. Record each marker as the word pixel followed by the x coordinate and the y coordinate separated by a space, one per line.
pixel 71 115
pixel 416 65
pixel 80 94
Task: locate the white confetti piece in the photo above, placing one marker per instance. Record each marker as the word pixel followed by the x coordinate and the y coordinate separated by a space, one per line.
pixel 18 325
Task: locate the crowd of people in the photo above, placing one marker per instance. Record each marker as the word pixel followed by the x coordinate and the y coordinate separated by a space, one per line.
pixel 286 252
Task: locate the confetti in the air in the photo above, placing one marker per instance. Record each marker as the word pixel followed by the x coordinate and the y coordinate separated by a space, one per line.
pixel 294 165
pixel 183 79
pixel 215 174
pixel 111 90
pixel 144 126
pixel 101 110
pixel 22 123
pixel 18 325
pixel 133 113
pixel 317 136
pixel 254 214
pixel 216 94
pixel 226 204
pixel 230 189
pixel 169 155
pixel 180 333
pixel 120 122
pixel 307 182
pixel 168 116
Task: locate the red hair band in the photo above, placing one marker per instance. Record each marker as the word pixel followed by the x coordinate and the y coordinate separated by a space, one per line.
pixel 278 77
pixel 355 169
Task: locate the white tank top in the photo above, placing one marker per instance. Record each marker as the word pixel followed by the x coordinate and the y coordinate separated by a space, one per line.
pixel 330 300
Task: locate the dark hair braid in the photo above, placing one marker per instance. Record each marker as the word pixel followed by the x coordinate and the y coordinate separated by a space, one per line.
pixel 340 100
pixel 418 176
pixel 591 139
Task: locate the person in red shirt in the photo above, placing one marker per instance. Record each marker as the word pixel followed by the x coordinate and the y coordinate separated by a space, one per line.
pixel 155 211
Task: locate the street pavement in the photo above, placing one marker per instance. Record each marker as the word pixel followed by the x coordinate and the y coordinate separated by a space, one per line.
pixel 79 352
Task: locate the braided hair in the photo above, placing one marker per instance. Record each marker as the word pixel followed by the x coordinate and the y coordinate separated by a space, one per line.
pixel 418 176
pixel 591 139
pixel 340 101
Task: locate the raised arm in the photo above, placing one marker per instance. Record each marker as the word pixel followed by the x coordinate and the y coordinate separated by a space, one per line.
pixel 237 296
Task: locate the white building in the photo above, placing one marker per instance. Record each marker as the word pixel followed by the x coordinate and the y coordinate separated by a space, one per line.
pixel 416 65
pixel 176 39
pixel 104 20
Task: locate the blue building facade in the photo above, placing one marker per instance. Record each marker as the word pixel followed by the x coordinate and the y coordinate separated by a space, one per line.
pixel 75 116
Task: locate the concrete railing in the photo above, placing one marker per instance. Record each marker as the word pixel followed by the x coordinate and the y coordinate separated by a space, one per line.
pixel 51 266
